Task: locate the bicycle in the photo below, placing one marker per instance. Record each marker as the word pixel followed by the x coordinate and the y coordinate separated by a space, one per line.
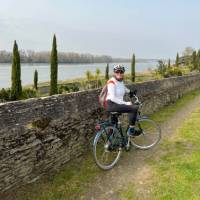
pixel 110 139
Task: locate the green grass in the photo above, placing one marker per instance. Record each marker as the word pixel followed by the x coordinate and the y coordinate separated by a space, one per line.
pixel 68 184
pixel 177 170
pixel 127 193
pixel 176 174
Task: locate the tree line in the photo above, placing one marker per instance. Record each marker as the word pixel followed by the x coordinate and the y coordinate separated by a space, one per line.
pixel 30 56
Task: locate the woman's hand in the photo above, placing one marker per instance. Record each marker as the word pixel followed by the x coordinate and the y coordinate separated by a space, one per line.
pixel 129 103
pixel 132 93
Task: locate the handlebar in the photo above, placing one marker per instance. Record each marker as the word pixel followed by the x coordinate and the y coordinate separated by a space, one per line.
pixel 137 101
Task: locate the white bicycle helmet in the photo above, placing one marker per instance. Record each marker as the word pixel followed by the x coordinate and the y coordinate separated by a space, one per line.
pixel 118 68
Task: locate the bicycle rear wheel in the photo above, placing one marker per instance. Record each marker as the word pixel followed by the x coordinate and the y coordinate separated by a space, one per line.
pixel 150 134
pixel 106 148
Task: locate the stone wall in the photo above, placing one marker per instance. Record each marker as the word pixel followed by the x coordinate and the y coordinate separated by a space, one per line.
pixel 39 135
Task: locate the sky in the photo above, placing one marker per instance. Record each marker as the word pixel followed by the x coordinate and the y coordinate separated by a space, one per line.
pixel 150 29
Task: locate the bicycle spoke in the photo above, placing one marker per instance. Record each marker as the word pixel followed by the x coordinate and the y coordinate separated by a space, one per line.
pixel 103 156
pixel 150 134
pixel 103 139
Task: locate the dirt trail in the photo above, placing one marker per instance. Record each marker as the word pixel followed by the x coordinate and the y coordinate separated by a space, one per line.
pixel 132 166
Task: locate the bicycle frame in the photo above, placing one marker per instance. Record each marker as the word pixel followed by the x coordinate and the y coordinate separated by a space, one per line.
pixel 122 135
pixel 113 138
pixel 117 124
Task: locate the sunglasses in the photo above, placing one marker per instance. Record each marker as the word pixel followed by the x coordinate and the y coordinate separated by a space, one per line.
pixel 119 72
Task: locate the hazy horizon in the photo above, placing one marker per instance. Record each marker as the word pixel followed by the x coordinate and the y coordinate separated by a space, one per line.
pixel 116 28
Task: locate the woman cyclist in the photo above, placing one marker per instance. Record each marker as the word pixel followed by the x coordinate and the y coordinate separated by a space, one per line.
pixel 115 99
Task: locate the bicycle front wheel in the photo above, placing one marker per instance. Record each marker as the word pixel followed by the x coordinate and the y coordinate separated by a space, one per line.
pixel 150 134
pixel 106 148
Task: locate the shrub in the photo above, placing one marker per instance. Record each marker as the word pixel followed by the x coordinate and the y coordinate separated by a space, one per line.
pixel 173 71
pixel 5 94
pixel 61 89
pixel 68 88
pixel 74 88
pixel 28 93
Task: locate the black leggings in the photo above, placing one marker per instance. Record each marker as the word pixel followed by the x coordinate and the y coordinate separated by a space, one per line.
pixel 122 108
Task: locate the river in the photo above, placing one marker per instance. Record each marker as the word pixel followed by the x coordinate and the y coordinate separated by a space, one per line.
pixel 65 71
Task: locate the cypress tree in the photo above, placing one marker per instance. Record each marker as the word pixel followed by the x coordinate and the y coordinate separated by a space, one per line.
pixel 107 72
pixel 98 72
pixel 194 60
pixel 54 68
pixel 16 87
pixel 198 60
pixel 133 68
pixel 36 79
pixel 177 60
pixel 169 64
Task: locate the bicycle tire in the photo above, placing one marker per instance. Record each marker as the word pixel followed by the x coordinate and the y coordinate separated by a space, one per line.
pixel 102 136
pixel 148 128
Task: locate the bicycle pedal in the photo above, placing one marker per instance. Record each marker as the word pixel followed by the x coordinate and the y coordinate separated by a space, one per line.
pixel 127 147
pixel 106 145
pixel 128 144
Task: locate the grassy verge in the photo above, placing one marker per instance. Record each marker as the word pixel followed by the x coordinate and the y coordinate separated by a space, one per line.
pixel 180 162
pixel 71 183
pixel 175 173
pixel 128 192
